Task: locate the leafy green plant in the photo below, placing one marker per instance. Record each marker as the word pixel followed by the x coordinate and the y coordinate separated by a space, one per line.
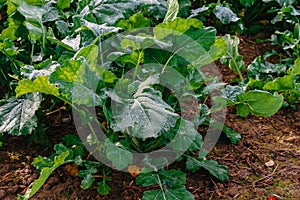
pixel 232 57
pixel 288 41
pixel 286 11
pixel 223 14
pixel 104 55
pixel 278 77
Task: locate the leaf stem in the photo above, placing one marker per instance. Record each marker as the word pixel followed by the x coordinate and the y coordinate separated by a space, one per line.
pixel 32 52
pixel 161 187
pixel 236 67
pixel 137 66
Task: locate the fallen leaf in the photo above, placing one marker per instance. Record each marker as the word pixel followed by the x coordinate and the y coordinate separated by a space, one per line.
pixel 134 170
pixel 72 169
pixel 271 197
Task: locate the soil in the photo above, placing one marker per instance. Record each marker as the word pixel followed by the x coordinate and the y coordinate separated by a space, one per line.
pixel 264 163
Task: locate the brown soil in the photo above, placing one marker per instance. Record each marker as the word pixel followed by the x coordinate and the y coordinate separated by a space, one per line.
pixel 265 162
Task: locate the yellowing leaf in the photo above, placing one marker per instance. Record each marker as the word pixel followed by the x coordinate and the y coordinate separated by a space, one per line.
pixel 40 84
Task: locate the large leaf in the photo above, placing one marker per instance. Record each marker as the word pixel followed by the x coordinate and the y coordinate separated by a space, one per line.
pixel 216 51
pixel 77 82
pixel 175 27
pixel 34 19
pixel 172 10
pixel 17 116
pixel 172 184
pixel 147 179
pixel 40 84
pixel 281 84
pixel 111 11
pixel 145 112
pixel 134 22
pixel 260 103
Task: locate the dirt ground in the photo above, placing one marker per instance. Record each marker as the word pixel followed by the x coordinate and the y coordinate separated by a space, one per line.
pixel 265 162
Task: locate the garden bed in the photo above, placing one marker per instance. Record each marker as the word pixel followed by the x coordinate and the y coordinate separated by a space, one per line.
pixel 264 163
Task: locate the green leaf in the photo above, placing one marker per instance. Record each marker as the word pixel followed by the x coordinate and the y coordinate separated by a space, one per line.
pixel 171 183
pixel 74 143
pixel 145 112
pixel 178 193
pixel 120 158
pixel 232 58
pixel 147 179
pixel 231 92
pixel 87 176
pixel 172 10
pixel 172 178
pixel 261 69
pixel 34 21
pixel 40 84
pixel 217 50
pixel 67 72
pixel 243 110
pixel 8 48
pixel 135 21
pixel 225 14
pixel 184 8
pixel 10 31
pixel 295 70
pixel 232 135
pixel 103 188
pixel 260 103
pixel 175 27
pixel 111 11
pixel 17 116
pixel 62 43
pixel 217 170
pixel 77 82
pixel 205 36
pixel 247 3
pixel 141 41
pixel 98 29
pixel 281 84
pixel 63 4
pixel 45 173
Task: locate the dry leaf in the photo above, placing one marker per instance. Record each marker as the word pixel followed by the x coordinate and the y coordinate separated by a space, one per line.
pixel 72 169
pixel 271 197
pixel 134 170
